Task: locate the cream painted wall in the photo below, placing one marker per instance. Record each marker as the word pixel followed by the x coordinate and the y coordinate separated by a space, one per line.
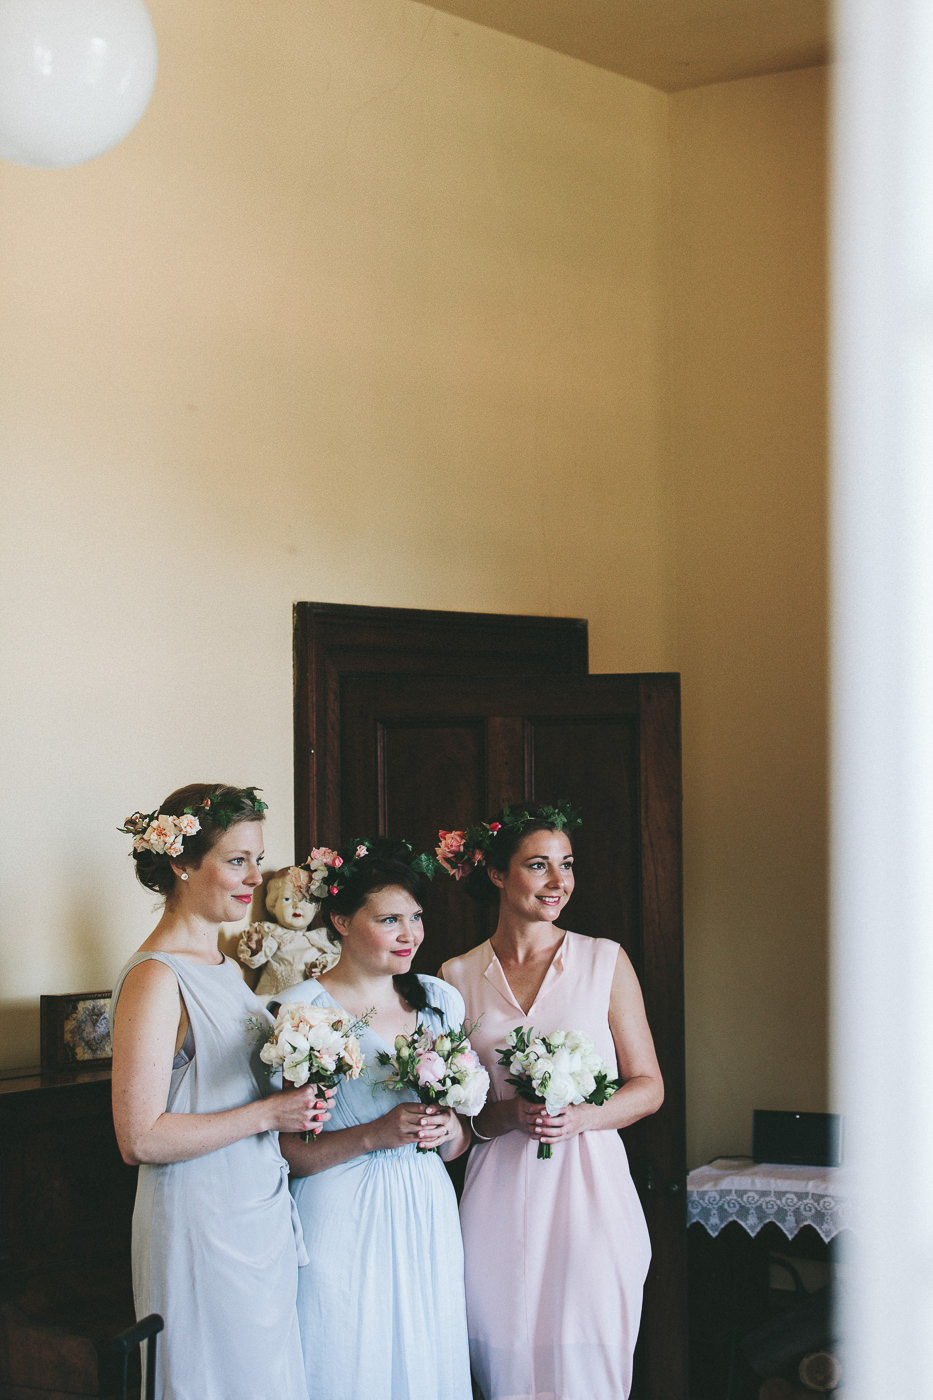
pixel 748 473
pixel 368 309
pixel 377 306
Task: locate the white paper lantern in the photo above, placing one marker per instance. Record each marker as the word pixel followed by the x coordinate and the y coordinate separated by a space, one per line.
pixel 75 77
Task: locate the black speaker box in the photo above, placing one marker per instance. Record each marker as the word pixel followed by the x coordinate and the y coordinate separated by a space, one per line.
pixel 800 1139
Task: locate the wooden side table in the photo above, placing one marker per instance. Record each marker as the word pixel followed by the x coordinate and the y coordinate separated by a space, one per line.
pixel 738 1213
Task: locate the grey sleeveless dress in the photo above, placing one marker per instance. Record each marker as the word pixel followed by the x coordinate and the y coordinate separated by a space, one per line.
pixel 216 1240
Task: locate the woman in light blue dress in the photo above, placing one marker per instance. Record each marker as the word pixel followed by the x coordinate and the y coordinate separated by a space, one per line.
pixel 381 1305
pixel 216 1242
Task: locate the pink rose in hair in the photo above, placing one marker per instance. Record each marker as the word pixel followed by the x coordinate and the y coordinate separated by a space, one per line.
pixel 323 854
pixel 450 851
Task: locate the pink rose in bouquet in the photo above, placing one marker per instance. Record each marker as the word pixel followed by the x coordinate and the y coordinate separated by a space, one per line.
pixel 442 1069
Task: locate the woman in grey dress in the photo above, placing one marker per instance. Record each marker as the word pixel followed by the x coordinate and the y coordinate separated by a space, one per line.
pixel 216 1243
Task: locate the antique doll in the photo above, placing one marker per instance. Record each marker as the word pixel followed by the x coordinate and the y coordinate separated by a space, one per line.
pixel 287 950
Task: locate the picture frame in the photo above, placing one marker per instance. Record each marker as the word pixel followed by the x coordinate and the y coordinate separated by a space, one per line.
pixel 74 1031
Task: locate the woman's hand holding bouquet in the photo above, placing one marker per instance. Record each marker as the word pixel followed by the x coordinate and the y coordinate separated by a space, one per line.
pixel 443 1070
pixel 556 1070
pixel 315 1045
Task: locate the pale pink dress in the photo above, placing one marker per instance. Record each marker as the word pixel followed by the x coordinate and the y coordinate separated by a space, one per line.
pixel 557 1250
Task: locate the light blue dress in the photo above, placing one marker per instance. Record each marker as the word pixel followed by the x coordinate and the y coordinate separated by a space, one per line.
pixel 381 1305
pixel 216 1240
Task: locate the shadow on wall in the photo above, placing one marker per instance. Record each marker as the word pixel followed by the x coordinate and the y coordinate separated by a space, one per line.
pixel 21 1025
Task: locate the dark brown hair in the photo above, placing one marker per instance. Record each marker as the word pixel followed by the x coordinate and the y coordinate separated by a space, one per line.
pixel 154 870
pixel 499 853
pixel 385 866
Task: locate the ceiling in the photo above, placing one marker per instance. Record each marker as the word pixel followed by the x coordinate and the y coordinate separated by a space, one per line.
pixel 669 44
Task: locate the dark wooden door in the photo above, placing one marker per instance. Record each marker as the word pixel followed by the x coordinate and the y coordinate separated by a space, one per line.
pixel 419 752
pixel 333 641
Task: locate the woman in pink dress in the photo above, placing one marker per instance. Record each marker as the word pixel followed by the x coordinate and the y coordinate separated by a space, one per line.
pixel 556 1249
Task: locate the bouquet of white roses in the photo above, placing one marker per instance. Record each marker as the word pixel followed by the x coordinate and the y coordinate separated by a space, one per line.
pixel 442 1069
pixel 557 1069
pixel 314 1045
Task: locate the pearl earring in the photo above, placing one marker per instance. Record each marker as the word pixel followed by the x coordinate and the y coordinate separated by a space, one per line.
pixel 183 875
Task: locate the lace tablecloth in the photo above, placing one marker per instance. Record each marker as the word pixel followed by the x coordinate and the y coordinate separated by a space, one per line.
pixel 754 1194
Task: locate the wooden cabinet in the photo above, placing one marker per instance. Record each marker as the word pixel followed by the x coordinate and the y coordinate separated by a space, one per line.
pixel 66 1205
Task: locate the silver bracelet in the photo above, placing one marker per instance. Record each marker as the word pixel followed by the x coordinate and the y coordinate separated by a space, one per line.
pixel 476 1132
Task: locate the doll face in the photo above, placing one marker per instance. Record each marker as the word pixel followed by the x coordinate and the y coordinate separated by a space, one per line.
pixel 287 906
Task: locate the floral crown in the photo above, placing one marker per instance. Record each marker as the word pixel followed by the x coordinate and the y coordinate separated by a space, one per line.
pixel 330 870
pixel 299 880
pixel 163 834
pixel 460 852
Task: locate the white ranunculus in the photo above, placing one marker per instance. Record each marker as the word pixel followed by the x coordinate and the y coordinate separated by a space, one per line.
pixel 456 1097
pixel 589 1057
pixel 475 1091
pixel 292 1043
pixel 326 1041
pixel 561 1091
pixel 586 1084
pixel 539 1074
pixel 295 1070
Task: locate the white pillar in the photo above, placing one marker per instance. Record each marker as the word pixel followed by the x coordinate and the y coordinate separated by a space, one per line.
pixel 882 709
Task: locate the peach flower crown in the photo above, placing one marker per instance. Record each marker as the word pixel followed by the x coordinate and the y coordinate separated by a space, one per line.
pixel 163 833
pixel 331 870
pixel 299 881
pixel 460 852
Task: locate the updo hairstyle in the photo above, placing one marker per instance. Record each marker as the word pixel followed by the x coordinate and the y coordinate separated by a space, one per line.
pixel 385 866
pixel 500 850
pixel 154 870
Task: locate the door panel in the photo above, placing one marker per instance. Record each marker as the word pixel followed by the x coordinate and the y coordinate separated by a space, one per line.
pixel 333 640
pixel 421 752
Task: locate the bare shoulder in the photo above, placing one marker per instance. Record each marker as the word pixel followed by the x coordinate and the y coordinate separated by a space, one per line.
pixel 628 1023
pixel 148 989
pixel 152 974
pixel 626 991
pixel 623 963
